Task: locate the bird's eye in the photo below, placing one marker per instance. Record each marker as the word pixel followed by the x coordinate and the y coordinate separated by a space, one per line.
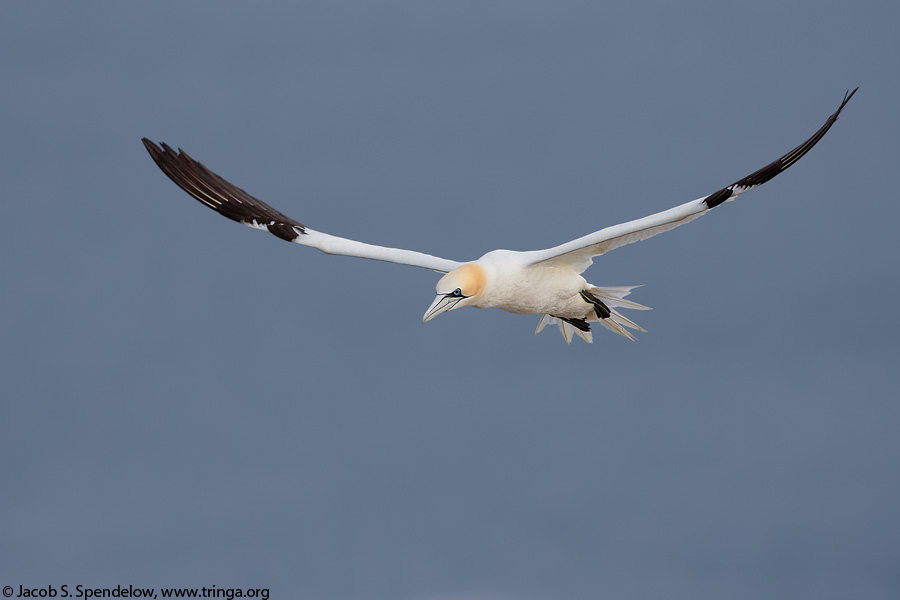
pixel 457 292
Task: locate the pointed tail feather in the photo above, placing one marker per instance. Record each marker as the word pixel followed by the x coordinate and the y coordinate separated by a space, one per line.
pixel 613 297
pixel 567 330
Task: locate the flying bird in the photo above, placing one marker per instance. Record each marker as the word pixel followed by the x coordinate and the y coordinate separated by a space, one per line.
pixel 543 282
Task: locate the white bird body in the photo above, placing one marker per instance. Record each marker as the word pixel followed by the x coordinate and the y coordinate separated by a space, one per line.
pixel 544 282
pixel 519 283
pixel 514 284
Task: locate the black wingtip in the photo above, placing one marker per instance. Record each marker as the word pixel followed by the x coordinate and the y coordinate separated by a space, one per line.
pixel 780 165
pixel 847 97
pixel 152 148
pixel 220 195
pixel 157 153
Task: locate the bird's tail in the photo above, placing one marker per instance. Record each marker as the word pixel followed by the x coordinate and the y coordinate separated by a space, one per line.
pixel 613 298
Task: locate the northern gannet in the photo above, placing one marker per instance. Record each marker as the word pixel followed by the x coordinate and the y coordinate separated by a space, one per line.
pixel 544 282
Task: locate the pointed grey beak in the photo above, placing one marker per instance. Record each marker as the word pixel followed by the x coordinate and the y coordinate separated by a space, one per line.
pixel 442 303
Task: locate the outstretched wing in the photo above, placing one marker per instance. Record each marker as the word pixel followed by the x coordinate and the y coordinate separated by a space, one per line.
pixel 230 201
pixel 578 254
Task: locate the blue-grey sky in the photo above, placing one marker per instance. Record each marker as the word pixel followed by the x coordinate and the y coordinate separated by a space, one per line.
pixel 187 402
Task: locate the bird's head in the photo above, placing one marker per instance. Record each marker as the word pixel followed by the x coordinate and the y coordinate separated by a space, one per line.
pixel 457 288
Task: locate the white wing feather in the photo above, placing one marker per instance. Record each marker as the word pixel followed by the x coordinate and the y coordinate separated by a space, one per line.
pixel 330 244
pixel 578 254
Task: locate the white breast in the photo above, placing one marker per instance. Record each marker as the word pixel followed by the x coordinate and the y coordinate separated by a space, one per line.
pixel 515 287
